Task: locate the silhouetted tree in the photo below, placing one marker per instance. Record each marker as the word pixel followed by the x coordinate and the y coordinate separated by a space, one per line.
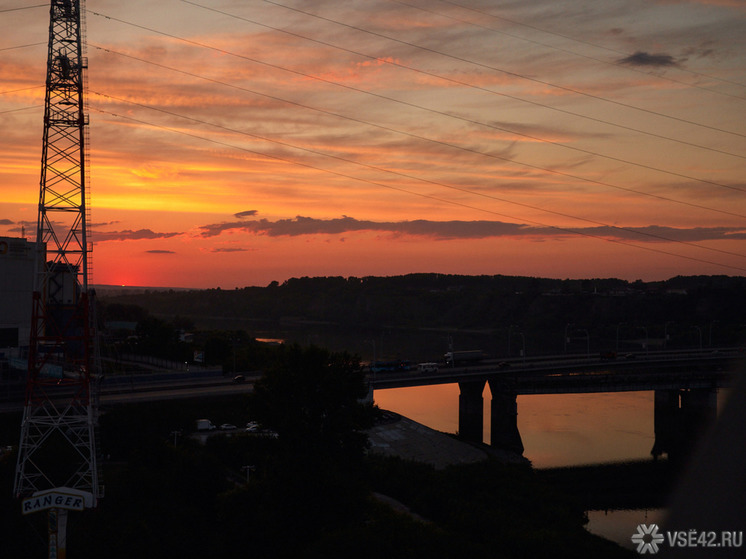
pixel 312 399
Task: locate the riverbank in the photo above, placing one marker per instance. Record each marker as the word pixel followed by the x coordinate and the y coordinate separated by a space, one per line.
pixel 399 436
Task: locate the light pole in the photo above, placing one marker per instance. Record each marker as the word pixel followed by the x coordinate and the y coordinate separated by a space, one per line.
pixel 665 333
pixel 523 346
pixel 618 326
pixel 248 470
pixel 375 357
pixel 510 333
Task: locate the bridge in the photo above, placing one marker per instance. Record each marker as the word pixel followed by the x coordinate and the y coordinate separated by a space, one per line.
pixel 685 385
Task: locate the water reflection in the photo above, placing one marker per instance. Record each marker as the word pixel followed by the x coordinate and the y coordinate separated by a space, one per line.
pixel 619 525
pixel 557 429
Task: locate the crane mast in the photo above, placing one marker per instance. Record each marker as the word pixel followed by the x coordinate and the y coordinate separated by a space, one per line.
pixel 57 449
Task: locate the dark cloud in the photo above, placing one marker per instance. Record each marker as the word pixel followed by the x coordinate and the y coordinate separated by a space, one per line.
pixel 661 234
pixel 703 50
pixel 447 230
pixel 160 252
pixel 230 249
pixel 6 222
pixel 215 229
pixel 129 235
pixel 641 58
pixel 247 213
pixel 310 226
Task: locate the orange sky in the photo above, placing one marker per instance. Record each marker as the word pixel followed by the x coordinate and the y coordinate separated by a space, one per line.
pixel 237 143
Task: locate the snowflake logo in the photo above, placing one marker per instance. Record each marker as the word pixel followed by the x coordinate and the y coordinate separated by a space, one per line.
pixel 647 539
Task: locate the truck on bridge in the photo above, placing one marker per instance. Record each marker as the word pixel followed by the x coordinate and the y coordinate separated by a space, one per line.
pixel 205 425
pixel 453 358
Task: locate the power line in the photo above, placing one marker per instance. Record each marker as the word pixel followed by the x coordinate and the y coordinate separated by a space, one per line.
pixel 371 57
pixel 429 196
pixel 508 72
pixel 21 109
pixel 23 8
pixel 23 46
pixel 465 149
pixel 408 176
pixel 408 104
pixel 576 40
pixel 21 89
pixel 571 52
pixel 433 182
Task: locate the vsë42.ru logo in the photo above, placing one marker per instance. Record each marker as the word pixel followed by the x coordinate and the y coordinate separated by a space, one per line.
pixel 648 539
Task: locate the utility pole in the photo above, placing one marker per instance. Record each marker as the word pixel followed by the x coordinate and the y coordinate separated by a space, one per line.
pixel 57 457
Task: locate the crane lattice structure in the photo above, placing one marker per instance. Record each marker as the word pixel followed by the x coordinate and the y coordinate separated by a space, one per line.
pixel 58 433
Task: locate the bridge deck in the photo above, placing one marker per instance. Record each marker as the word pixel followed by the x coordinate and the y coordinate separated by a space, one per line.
pixel 673 370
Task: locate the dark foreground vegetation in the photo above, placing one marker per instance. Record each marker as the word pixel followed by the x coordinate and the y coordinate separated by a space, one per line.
pixel 310 489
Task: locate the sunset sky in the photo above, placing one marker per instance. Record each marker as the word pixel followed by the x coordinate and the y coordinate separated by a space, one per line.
pixel 235 143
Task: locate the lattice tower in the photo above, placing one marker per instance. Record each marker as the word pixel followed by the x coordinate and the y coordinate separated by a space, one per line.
pixel 58 433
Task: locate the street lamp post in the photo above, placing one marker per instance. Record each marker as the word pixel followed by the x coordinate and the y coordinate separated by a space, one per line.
pixel 248 470
pixel 618 326
pixel 523 346
pixel 510 337
pixel 665 333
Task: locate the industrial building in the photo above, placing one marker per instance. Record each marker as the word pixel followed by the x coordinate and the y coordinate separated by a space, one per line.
pixel 16 286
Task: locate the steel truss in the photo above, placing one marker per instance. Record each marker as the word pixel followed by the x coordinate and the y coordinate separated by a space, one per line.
pixel 58 432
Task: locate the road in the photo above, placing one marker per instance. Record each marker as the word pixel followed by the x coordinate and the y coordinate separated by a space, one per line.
pixel 145 388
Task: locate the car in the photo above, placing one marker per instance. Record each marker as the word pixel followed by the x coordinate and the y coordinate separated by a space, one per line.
pixel 227 427
pixel 252 426
pixel 239 378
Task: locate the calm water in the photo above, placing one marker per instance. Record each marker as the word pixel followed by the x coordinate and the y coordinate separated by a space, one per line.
pixel 557 430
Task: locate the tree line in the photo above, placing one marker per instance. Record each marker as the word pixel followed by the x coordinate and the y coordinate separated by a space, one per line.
pixel 424 315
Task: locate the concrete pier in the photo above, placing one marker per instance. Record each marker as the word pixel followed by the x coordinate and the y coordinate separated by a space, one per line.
pixel 680 417
pixel 471 411
pixel 504 418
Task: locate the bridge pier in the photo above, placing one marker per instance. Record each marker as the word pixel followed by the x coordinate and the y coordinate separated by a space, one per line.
pixel 471 411
pixel 665 422
pixel 504 417
pixel 680 416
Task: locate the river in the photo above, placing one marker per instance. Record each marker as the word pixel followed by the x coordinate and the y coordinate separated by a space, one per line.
pixel 557 430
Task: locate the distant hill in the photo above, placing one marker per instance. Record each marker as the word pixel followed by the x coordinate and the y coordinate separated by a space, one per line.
pixel 500 314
